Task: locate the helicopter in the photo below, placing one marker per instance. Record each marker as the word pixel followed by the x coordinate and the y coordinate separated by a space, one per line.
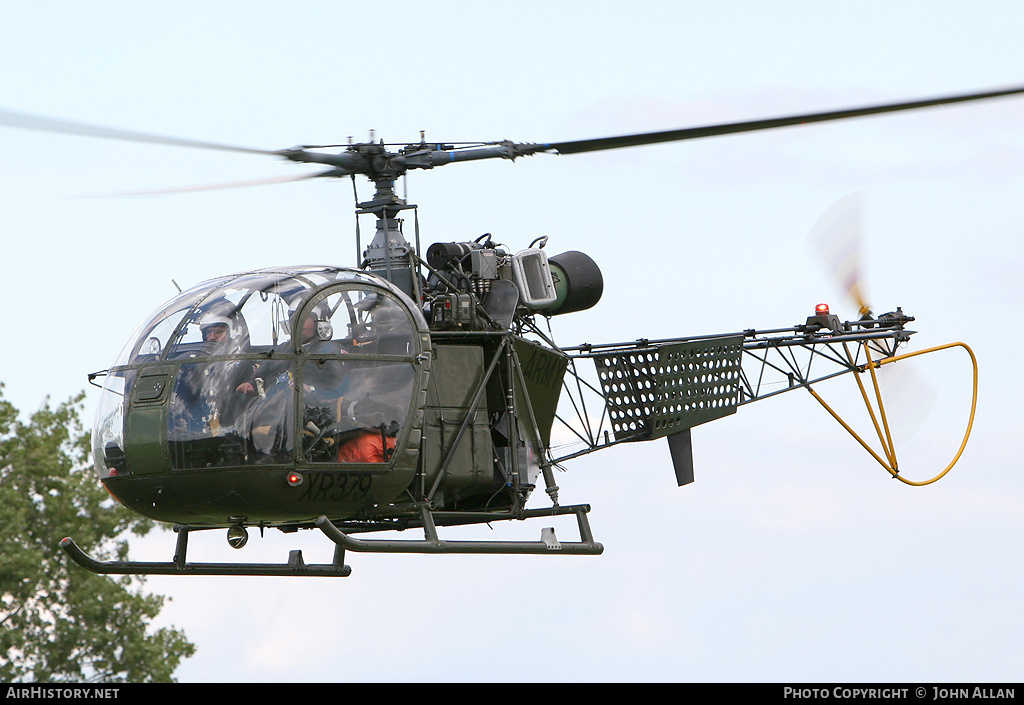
pixel 418 390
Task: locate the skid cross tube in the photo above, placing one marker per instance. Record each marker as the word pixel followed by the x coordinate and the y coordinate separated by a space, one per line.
pixel 431 543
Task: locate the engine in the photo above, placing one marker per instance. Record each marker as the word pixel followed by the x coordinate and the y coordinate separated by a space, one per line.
pixel 465 274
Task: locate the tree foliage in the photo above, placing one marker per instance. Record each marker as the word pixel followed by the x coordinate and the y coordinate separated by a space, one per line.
pixel 59 622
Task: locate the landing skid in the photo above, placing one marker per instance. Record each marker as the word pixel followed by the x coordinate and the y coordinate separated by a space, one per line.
pixel 296 566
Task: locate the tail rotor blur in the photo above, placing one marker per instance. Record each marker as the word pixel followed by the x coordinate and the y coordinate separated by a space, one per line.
pixel 838 238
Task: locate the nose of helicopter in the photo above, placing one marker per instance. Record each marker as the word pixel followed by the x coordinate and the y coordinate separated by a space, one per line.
pixel 241 381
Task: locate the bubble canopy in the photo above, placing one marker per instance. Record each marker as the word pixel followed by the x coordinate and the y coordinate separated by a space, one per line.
pixel 296 366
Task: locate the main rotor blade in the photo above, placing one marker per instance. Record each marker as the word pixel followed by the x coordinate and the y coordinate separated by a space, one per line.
pixel 690 133
pixel 45 124
pixel 227 185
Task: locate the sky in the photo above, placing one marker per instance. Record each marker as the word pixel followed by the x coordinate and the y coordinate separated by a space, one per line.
pixel 793 557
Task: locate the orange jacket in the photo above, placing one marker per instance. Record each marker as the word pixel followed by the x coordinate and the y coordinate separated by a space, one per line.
pixel 365 448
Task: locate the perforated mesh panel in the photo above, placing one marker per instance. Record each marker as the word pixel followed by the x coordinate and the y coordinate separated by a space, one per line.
pixel 662 389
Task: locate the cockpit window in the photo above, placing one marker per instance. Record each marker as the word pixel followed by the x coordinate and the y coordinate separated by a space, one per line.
pixel 268 368
pixel 354 409
pixel 353 320
pixel 108 431
pixel 250 311
pixel 149 339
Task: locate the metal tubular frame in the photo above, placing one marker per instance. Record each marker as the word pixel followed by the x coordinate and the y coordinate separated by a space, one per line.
pixel 772 365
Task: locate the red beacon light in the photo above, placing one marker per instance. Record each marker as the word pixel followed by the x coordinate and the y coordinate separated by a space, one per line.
pixel 822 318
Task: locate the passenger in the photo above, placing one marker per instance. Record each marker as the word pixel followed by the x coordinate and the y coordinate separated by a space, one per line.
pixel 323 381
pixel 315 337
pixel 372 438
pixel 367 446
pixel 318 332
pixel 271 416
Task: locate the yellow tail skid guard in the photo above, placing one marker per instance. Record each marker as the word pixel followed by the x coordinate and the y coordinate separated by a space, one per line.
pixel 881 422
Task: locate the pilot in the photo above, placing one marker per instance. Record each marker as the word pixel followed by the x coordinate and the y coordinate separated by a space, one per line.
pixel 222 334
pixel 205 403
pixel 194 390
pixel 215 329
pixel 223 385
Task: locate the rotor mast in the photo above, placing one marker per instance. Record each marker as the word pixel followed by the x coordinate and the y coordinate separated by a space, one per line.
pixel 389 254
